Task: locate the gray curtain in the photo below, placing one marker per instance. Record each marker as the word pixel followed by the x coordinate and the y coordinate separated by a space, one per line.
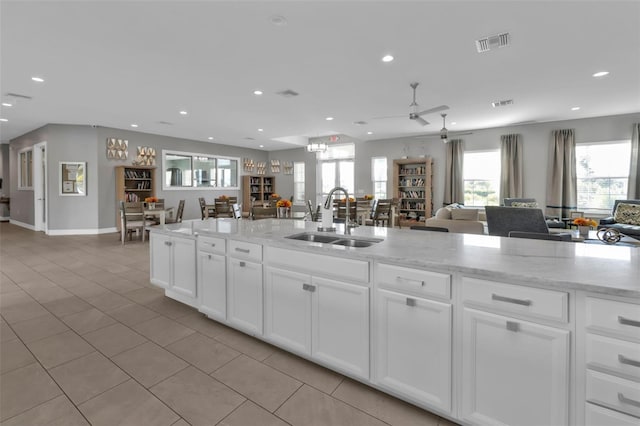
pixel 511 166
pixel 561 177
pixel 453 183
pixel 634 170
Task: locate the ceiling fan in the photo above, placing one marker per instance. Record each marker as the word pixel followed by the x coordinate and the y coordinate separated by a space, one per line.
pixel 444 132
pixel 415 114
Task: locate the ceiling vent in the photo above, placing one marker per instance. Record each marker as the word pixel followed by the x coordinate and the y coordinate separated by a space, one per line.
pixel 288 93
pixel 166 123
pixel 497 104
pixel 248 138
pixel 359 123
pixel 493 42
pixel 18 96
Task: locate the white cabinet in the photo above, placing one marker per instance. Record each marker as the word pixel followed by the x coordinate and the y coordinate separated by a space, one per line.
pixel 173 266
pixel 212 277
pixel 244 287
pixel 514 372
pixel 323 318
pixel 413 347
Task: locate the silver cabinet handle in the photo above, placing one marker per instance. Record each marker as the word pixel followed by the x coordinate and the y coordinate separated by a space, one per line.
pixel 399 278
pixel 309 287
pixel 624 360
pixel 241 250
pixel 243 264
pixel 411 302
pixel 513 326
pixel 627 321
pixel 498 298
pixel 626 400
pixel 209 257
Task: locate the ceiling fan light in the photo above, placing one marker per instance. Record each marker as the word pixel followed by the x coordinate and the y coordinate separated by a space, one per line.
pixel 316 146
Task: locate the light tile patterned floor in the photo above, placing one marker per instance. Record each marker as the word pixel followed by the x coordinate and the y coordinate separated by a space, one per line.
pixel 85 339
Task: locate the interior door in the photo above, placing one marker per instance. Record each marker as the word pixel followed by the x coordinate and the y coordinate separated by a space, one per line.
pixel 40 187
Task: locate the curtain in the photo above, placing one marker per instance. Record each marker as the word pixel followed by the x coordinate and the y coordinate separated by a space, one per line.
pixel 634 170
pixel 453 182
pixel 511 166
pixel 561 175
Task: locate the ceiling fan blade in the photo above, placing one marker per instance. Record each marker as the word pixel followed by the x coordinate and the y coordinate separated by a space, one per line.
pixel 432 110
pixel 421 120
pixel 388 116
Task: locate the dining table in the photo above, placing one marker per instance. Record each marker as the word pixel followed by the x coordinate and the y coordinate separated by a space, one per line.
pixel 159 212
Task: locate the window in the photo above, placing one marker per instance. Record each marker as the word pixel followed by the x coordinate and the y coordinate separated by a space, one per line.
pixel 602 172
pixel 379 177
pixel 184 170
pixel 337 168
pixel 481 178
pixel 25 169
pixel 298 183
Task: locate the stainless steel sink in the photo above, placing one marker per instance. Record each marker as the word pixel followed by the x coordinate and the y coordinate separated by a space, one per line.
pixel 338 240
pixel 306 236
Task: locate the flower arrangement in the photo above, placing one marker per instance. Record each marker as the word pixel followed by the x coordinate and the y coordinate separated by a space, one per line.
pixel 344 200
pixel 583 221
pixel 151 200
pixel 223 197
pixel 368 197
pixel 274 195
pixel 283 203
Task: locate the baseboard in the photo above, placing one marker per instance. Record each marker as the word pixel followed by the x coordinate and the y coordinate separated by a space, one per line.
pixel 57 232
pixel 22 224
pixel 5 219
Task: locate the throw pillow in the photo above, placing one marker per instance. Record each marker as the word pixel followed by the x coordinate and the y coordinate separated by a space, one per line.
pixel 627 213
pixel 443 213
pixel 533 205
pixel 464 214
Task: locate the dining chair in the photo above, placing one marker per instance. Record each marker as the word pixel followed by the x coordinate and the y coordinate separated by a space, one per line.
pixel 178 217
pixel 223 208
pixel 382 213
pixel 258 212
pixel 132 219
pixel 206 210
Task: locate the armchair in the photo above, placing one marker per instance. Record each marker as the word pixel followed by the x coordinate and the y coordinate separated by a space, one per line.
pixel 625 228
pixel 552 222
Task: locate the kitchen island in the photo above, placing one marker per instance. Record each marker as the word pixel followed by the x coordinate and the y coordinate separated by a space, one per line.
pixel 478 329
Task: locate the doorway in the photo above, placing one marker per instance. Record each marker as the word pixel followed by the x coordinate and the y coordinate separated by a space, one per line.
pixel 40 187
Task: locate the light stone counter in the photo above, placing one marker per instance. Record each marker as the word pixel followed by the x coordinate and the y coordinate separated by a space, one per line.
pixel 597 268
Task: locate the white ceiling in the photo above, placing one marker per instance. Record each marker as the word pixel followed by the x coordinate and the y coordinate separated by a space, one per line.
pixel 114 63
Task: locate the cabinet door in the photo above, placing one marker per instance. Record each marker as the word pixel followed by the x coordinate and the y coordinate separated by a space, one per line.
pixel 514 372
pixel 212 285
pixel 160 259
pixel 184 267
pixel 287 309
pixel 244 295
pixel 340 325
pixel 413 347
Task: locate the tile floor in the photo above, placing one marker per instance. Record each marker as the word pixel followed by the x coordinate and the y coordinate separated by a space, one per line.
pixel 85 339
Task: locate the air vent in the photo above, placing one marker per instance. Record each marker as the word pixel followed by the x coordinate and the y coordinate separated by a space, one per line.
pixel 249 138
pixel 493 42
pixel 287 93
pixel 497 104
pixel 18 96
pixel 360 123
pixel 166 123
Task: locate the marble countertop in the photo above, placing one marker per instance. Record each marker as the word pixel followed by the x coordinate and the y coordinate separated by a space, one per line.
pixel 598 268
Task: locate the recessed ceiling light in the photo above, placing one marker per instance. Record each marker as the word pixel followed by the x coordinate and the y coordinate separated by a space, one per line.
pixel 183 112
pixel 7 104
pixel 261 146
pixel 257 92
pixel 278 20
pixel 37 79
pixel 3 119
pixel 260 130
pixel 453 123
pixel 210 138
pixel 134 125
pixel 601 73
pixel 575 108
pixel 387 58
pixel 369 133
pixel 329 118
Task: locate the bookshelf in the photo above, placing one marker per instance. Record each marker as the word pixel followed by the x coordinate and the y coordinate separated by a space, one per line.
pixel 258 187
pixel 134 183
pixel 412 186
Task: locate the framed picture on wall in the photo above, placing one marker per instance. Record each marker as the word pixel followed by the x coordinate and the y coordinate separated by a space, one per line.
pixel 73 176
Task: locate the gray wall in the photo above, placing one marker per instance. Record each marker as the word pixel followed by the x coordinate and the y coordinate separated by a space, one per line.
pixel 5 191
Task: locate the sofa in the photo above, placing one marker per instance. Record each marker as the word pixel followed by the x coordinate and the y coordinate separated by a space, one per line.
pixel 618 219
pixel 457 218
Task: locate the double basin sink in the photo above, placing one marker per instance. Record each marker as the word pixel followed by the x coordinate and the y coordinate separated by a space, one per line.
pixel 338 240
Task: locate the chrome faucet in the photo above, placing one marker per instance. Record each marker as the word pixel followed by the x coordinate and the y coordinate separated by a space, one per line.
pixel 327 205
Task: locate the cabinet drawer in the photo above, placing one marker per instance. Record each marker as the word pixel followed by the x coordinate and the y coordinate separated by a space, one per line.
pixel 600 416
pixel 317 264
pixel 613 354
pixel 413 280
pixel 620 318
pixel 244 250
pixel 611 391
pixel 534 302
pixel 212 244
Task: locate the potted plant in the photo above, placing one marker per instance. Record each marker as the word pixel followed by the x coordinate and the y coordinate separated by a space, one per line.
pixel 584 225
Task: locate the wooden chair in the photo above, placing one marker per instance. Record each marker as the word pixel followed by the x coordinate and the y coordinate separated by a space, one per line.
pixel 132 219
pixel 223 208
pixel 382 213
pixel 258 212
pixel 206 210
pixel 178 218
